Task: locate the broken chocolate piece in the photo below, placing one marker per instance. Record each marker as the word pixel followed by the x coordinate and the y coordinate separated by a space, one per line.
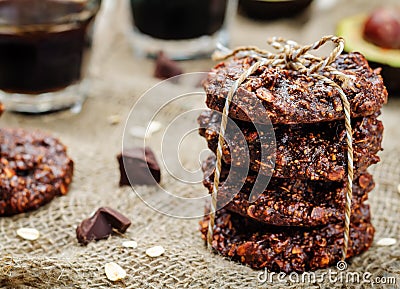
pixel 116 219
pixel 138 166
pixel 165 67
pixel 95 228
pixel 101 225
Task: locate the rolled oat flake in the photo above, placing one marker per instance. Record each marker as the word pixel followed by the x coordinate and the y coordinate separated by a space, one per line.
pixel 30 234
pixel 129 244
pixel 155 251
pixel 386 242
pixel 114 272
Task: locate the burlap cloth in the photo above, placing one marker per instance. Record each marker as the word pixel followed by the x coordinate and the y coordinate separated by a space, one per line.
pixel 56 260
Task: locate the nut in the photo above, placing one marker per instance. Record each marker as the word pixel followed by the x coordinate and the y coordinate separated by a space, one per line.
pixel 63 189
pixel 114 272
pixel 9 172
pixel 129 244
pixel 296 250
pixel 155 251
pixel 386 242
pixel 364 181
pixel 30 234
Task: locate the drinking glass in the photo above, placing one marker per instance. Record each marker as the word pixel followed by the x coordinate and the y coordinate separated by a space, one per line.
pixel 183 29
pixel 44 53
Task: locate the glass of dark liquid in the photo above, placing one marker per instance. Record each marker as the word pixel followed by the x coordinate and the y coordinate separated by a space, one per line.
pixel 183 29
pixel 44 53
pixel 273 9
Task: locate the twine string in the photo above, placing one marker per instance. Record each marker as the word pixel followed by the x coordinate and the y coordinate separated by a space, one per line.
pixel 224 122
pixel 290 55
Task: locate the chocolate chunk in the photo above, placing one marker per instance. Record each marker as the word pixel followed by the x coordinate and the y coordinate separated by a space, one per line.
pixel 101 225
pixel 165 67
pixel 138 166
pixel 116 219
pixel 95 228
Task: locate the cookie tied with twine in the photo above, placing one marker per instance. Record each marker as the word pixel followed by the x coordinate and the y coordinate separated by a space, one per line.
pixel 290 55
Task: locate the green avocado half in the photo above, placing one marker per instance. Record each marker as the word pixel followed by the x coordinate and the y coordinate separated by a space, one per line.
pixel 351 29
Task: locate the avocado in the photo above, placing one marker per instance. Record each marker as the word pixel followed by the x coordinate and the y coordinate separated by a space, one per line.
pixel 351 29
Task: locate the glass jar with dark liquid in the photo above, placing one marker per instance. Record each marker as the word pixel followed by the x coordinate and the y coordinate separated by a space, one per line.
pixel 181 28
pixel 44 52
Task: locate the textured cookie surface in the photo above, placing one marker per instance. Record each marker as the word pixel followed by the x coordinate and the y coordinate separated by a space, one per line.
pixel 286 202
pixel 34 168
pixel 308 151
pixel 287 249
pixel 288 97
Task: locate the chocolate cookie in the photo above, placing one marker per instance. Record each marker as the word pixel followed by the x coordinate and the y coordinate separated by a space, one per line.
pixel 288 97
pixel 308 151
pixel 286 202
pixel 287 249
pixel 34 168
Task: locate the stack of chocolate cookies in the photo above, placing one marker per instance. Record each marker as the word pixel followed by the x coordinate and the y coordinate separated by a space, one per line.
pixel 297 222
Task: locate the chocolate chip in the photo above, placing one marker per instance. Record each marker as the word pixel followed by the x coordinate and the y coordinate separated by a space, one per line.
pixel 138 166
pixel 165 67
pixel 101 225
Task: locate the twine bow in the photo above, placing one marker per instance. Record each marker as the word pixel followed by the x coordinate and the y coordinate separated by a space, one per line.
pixel 290 55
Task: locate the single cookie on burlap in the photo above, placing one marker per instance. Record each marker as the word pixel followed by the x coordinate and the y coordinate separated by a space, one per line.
pixel 34 168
